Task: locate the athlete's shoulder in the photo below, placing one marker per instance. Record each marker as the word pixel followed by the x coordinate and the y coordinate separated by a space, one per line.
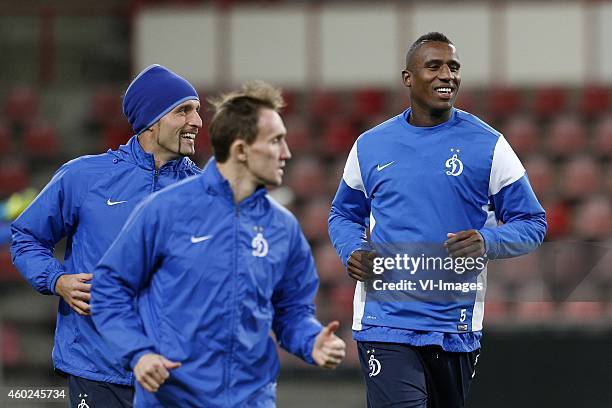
pixel 91 161
pixel 281 211
pixel 86 166
pixel 474 123
pixel 388 126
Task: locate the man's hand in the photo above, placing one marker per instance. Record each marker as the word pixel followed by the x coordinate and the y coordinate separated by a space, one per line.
pixel 75 292
pixel 360 265
pixel 465 244
pixel 328 350
pixel 151 371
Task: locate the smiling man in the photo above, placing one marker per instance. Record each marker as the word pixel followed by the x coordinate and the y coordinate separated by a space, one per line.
pixel 434 183
pixel 87 202
pixel 215 264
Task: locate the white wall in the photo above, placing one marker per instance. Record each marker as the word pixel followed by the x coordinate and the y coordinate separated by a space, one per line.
pixel 183 40
pixel 468 26
pixel 268 44
pixel 604 49
pixel 544 43
pixel 359 45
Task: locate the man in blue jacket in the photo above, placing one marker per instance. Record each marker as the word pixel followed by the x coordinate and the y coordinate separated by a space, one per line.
pixel 214 264
pixel 87 201
pixel 432 186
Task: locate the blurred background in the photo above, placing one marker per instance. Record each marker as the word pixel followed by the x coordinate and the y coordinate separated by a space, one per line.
pixel 541 73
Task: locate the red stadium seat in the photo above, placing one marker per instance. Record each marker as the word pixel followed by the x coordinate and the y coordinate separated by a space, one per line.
pixel 330 268
pixel 105 105
pixel 580 178
pixel 557 219
pixel 306 178
pixel 314 219
pixel 324 104
pixel 548 102
pixel 21 105
pixel 502 102
pixel 593 219
pixel 368 102
pixel 466 101
pixel 338 136
pixel 10 346
pixel 342 301
pixel 298 135
pixel 116 133
pixel 523 135
pixel 541 175
pixel 13 177
pixel 292 102
pixel 607 188
pixel 594 100
pixel 566 137
pixel 5 139
pixel 40 140
pixel 602 141
pixel 8 273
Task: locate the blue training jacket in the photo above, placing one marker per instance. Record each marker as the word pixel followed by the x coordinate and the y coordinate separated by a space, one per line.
pixel 202 281
pixel 411 186
pixel 87 201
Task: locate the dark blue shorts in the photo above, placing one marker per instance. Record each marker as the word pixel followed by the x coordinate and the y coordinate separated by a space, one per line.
pixel 404 376
pixel 95 394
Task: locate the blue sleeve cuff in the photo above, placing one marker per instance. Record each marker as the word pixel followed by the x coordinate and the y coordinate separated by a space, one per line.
pixel 137 356
pixel 52 279
pixel 362 246
pixel 309 344
pixel 489 239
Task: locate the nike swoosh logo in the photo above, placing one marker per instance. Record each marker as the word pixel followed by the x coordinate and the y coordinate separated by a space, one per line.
pixel 379 167
pixel 109 202
pixel 195 240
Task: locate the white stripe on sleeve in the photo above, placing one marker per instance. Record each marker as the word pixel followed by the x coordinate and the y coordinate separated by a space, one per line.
pixel 506 167
pixel 352 171
pixel 359 300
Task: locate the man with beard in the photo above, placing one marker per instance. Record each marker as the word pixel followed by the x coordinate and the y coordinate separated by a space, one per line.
pixel 87 202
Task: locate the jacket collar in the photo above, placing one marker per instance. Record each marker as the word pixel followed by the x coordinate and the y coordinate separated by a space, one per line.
pixel 216 184
pixel 133 152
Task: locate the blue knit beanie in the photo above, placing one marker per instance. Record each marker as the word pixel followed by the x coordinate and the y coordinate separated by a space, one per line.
pixel 152 94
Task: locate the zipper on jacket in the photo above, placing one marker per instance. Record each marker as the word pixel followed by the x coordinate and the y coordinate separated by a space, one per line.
pixel 155 177
pixel 233 305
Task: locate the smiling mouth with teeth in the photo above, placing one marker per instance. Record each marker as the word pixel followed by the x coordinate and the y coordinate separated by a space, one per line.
pixel 190 136
pixel 444 91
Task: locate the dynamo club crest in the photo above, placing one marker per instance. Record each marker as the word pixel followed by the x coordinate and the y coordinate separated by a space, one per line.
pixel 454 164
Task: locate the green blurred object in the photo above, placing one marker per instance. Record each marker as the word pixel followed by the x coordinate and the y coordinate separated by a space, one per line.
pixel 18 202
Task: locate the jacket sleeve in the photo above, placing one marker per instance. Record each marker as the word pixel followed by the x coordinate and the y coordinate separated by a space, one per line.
pixel 120 276
pixel 515 204
pixel 295 324
pixel 350 211
pixel 52 216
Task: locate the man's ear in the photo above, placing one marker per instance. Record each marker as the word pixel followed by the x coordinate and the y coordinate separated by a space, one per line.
pixel 407 78
pixel 238 149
